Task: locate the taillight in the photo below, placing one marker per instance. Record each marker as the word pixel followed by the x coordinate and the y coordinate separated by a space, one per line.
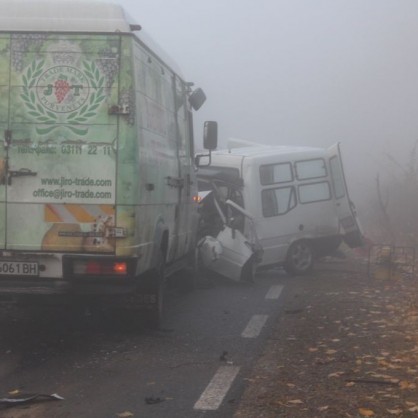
pixel 120 268
pixel 96 267
pixel 92 267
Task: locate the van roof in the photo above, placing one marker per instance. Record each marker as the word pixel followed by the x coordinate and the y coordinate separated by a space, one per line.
pixel 63 16
pixel 269 150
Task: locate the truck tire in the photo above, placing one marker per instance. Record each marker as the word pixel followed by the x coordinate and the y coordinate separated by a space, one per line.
pixel 156 285
pixel 188 277
pixel 299 259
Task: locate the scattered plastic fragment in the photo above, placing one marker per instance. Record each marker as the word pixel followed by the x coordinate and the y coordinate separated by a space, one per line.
pixel 29 398
pixel 152 401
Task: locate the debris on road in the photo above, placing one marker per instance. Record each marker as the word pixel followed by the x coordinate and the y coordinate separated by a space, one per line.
pixel 29 398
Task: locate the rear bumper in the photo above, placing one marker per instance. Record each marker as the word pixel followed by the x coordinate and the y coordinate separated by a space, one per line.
pixel 57 277
pixel 23 286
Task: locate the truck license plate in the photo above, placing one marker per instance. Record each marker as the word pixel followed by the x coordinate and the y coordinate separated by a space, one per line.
pixel 18 268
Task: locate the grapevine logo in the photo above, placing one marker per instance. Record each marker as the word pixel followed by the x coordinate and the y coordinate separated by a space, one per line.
pixel 62 95
pixel 62 89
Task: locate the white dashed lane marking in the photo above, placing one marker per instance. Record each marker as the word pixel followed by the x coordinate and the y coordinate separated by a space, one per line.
pixel 217 388
pixel 254 327
pixel 274 291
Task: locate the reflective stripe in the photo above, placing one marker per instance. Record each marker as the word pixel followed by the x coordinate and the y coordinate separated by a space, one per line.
pixel 77 213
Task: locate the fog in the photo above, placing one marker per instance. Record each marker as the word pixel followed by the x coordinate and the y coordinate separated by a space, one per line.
pixel 300 72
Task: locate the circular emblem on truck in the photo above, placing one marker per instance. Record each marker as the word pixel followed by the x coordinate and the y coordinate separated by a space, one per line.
pixel 62 89
pixel 63 95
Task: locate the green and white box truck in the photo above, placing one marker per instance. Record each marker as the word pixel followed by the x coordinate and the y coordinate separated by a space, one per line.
pixel 97 180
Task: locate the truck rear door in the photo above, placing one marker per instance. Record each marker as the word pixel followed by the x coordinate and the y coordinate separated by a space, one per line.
pixel 57 158
pixel 345 207
pixel 4 107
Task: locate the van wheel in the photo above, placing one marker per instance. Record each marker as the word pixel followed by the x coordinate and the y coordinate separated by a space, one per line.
pixel 156 286
pixel 299 258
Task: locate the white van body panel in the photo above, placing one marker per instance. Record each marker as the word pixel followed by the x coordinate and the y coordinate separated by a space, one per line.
pixel 314 213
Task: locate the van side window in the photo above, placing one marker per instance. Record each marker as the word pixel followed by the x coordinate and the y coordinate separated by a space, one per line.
pixel 310 169
pixel 278 201
pixel 337 177
pixel 314 192
pixel 275 173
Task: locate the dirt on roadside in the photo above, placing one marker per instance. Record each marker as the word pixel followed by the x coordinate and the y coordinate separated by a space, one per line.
pixel 346 346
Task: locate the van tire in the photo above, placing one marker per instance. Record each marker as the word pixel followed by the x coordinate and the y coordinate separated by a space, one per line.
pixel 299 259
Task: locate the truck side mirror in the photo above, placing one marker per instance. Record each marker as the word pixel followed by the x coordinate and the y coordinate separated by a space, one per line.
pixel 197 98
pixel 210 135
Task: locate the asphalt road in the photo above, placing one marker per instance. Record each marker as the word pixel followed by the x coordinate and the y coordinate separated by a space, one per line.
pixel 196 366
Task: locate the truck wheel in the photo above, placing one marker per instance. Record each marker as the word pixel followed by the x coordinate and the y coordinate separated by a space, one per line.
pixel 299 259
pixel 188 277
pixel 156 286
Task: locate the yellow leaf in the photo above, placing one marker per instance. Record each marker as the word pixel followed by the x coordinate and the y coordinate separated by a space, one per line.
pixel 395 411
pixel 336 374
pixel 126 414
pixel 313 349
pixel 366 412
pixel 14 392
pixel 404 384
pixel 330 352
pixel 349 384
pixel 323 408
pixel 295 401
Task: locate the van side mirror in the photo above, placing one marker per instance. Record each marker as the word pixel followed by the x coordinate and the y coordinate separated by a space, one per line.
pixel 210 135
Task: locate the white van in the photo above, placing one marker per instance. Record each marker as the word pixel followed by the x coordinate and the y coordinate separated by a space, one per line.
pixel 297 197
pixel 97 178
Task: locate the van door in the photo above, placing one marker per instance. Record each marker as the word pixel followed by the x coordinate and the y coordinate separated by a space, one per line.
pixel 345 207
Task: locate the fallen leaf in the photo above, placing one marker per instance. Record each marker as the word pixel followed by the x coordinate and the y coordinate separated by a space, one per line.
pixel 126 414
pixel 394 411
pixel 366 412
pixel 404 384
pixel 329 352
pixel 336 374
pixel 295 401
pixel 384 363
pixel 323 408
pixel 312 349
pixel 14 392
pixel 413 409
